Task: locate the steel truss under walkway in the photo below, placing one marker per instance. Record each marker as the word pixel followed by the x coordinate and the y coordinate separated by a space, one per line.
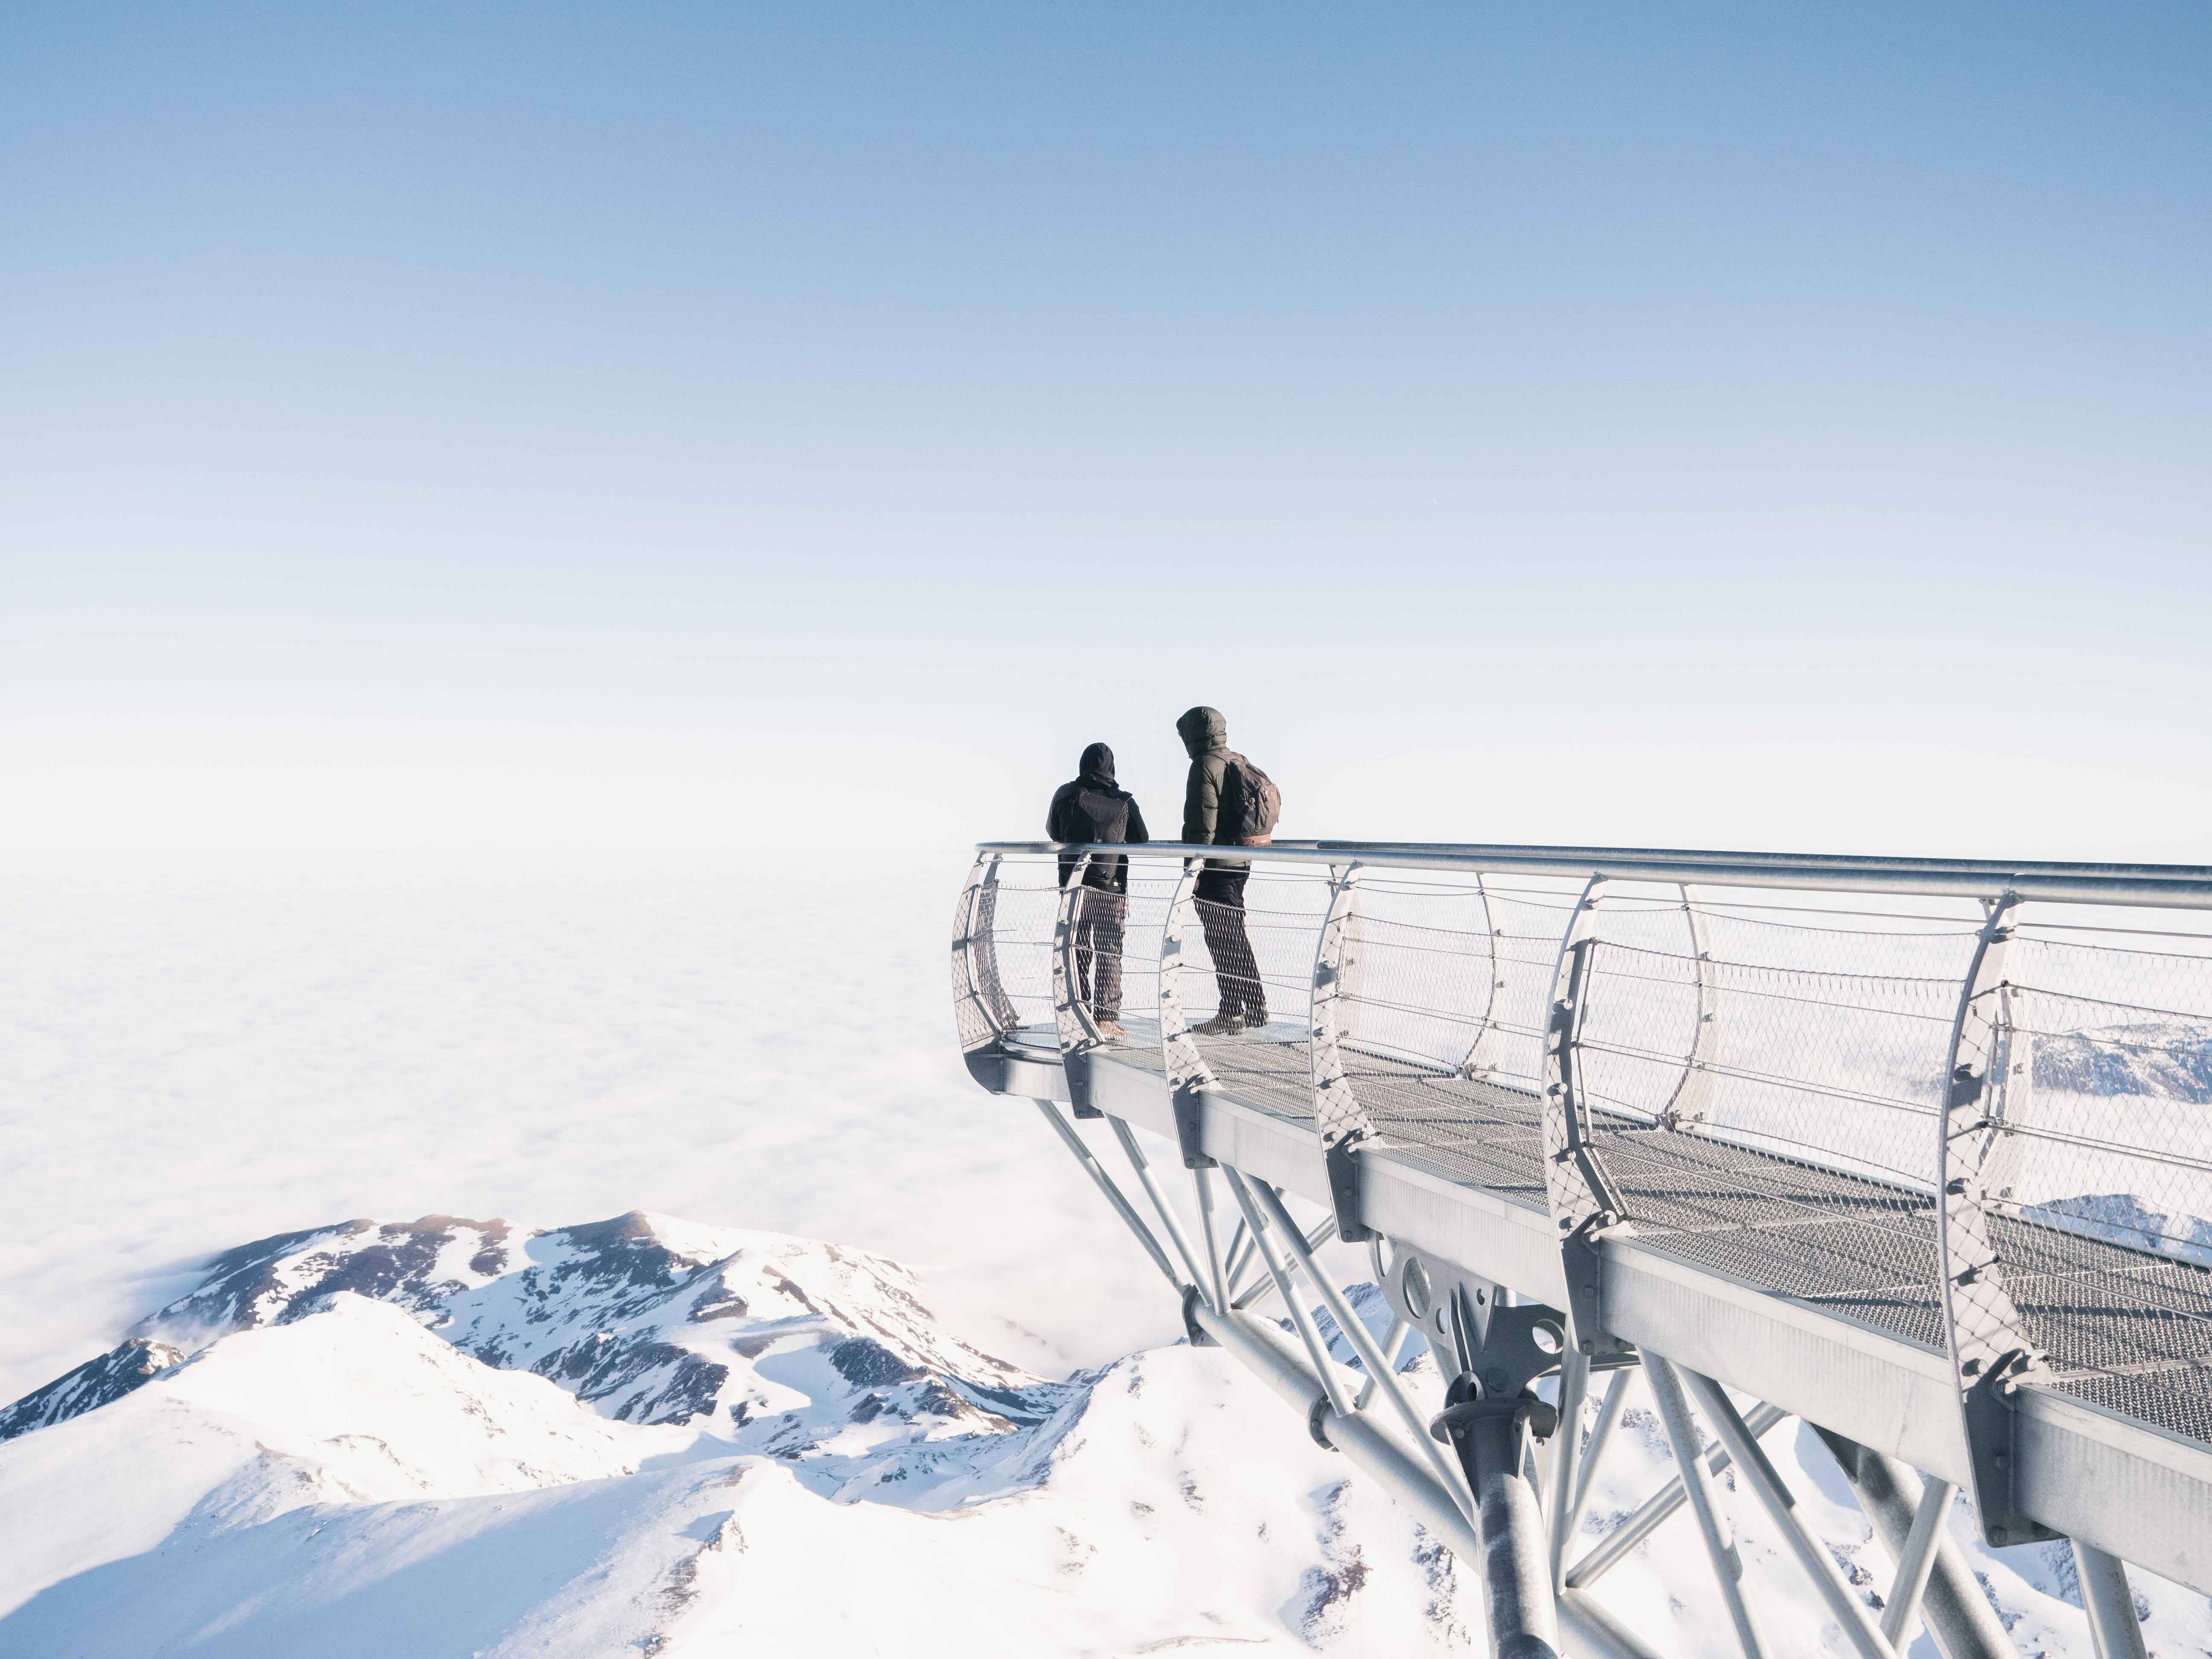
pixel 1918 1152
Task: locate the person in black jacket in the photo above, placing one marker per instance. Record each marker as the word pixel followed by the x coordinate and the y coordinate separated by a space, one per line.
pixel 1210 820
pixel 1094 809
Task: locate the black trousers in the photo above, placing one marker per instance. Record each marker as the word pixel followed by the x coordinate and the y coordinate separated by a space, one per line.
pixel 1101 919
pixel 1221 913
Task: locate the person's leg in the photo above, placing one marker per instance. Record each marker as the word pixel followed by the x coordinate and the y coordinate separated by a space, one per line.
pixel 1246 966
pixel 1221 913
pixel 1086 944
pixel 1107 932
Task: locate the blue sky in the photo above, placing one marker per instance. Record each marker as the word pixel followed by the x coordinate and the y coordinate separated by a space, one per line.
pixel 694 426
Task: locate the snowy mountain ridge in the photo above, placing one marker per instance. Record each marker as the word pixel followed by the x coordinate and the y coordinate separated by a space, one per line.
pixel 777 1345
pixel 642 1435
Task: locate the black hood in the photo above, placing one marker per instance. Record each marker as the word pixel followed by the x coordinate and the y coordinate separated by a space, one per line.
pixel 1202 730
pixel 1097 768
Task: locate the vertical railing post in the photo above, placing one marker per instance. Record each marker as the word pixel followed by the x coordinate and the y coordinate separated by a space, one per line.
pixel 979 1002
pixel 1343 1123
pixel 1072 1020
pixel 1991 1353
pixel 1583 1200
pixel 1186 1068
pixel 2012 1076
pixel 1691 1101
pixel 1485 1052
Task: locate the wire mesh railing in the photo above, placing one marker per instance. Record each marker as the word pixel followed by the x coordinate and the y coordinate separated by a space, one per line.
pixel 1765 1060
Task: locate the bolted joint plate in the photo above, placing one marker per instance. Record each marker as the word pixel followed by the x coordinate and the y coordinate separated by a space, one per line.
pixel 1192 1328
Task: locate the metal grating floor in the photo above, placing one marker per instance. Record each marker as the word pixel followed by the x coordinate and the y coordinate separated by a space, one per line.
pixel 2123 1328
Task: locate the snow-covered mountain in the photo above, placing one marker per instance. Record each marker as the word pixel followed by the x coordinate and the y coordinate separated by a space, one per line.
pixel 2170 1059
pixel 646 1437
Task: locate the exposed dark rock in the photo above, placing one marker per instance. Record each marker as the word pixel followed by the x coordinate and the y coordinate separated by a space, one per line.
pixel 91 1385
pixel 239 1278
pixel 666 1384
pixel 274 1280
pixel 865 1363
pixel 1025 1407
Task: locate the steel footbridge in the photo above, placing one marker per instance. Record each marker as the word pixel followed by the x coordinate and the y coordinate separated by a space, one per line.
pixel 1918 1152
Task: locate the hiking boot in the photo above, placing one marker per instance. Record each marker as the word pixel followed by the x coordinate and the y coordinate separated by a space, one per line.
pixel 1111 1030
pixel 1220 1025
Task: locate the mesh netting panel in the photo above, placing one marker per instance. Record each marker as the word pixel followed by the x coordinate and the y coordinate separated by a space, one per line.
pixel 1767 1105
pixel 1253 962
pixel 968 1015
pixel 1025 907
pixel 2101 1160
pixel 1446 982
pixel 1418 972
pixel 1528 924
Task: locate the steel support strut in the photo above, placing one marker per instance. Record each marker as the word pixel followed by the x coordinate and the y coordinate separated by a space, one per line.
pixel 1957 1616
pixel 1775 1498
pixel 1608 1420
pixel 2114 1629
pixel 1339 1401
pixel 1113 1193
pixel 1915 1559
pixel 1657 1510
pixel 1697 1485
pixel 1491 1443
pixel 1264 1284
pixel 1144 1172
pixel 1566 1453
pixel 1355 1332
pixel 1384 1458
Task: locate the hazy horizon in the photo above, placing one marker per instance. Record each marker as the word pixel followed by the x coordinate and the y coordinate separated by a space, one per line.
pixel 730 429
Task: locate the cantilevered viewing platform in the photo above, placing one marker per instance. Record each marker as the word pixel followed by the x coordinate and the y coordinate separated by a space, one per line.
pixel 1917 1151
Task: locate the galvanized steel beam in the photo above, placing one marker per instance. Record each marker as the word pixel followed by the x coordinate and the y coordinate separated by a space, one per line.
pixel 1957 1614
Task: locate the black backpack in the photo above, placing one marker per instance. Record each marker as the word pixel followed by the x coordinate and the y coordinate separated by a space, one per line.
pixel 1258 803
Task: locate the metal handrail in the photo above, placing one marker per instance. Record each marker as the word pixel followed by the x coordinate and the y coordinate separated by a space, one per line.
pixel 1806 860
pixel 2180 887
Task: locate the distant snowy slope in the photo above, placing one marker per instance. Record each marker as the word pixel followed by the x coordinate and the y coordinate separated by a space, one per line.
pixel 336 1474
pixel 447 1438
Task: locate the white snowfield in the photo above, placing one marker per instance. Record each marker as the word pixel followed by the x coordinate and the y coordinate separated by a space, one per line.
pixel 646 1437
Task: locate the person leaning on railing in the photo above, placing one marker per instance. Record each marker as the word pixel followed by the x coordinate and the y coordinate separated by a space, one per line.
pixel 1094 808
pixel 1227 802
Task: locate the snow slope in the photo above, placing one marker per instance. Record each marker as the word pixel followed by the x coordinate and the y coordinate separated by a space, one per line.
pixel 643 1436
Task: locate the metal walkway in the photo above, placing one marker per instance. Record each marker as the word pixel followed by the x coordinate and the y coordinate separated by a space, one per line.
pixel 1918 1151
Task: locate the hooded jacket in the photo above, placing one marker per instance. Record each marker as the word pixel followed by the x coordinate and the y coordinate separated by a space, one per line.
pixel 1205 734
pixel 1094 808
